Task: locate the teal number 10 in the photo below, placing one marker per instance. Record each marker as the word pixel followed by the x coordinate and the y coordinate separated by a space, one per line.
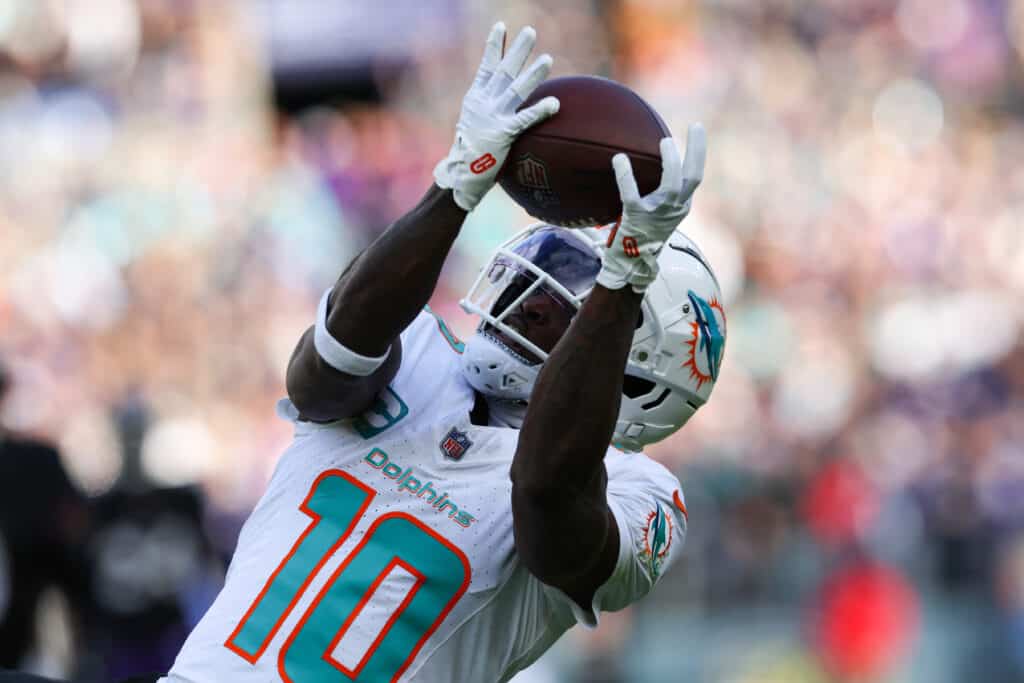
pixel 336 502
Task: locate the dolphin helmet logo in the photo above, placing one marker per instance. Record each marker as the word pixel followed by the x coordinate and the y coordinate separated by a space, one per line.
pixel 657 539
pixel 707 344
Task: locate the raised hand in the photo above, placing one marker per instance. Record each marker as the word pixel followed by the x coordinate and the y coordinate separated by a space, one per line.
pixel 631 254
pixel 489 122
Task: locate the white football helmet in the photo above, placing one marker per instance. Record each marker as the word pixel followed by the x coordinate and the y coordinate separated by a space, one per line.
pixel 677 350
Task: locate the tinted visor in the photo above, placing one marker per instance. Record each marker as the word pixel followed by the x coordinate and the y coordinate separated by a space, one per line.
pixel 547 262
pixel 564 257
pixel 545 256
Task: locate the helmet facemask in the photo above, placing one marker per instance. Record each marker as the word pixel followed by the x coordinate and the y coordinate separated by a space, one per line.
pixel 543 268
pixel 676 350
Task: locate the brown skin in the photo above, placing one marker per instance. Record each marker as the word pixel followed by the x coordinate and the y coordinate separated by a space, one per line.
pixel 401 267
pixel 564 530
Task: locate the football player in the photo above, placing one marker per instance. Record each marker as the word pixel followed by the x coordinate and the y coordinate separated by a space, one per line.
pixel 448 510
pixel 44 521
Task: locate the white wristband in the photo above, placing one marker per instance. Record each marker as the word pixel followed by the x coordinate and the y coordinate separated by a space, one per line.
pixel 336 354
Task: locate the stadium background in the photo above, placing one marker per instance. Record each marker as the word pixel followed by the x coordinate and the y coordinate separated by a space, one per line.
pixel 181 179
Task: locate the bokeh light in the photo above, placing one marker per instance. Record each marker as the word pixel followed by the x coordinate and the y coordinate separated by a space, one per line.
pixel 178 192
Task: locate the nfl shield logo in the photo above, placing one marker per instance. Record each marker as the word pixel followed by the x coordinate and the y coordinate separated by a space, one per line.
pixel 455 444
pixel 531 172
pixel 532 176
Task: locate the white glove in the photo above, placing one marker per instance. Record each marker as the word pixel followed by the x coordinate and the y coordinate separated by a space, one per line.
pixel 631 255
pixel 489 122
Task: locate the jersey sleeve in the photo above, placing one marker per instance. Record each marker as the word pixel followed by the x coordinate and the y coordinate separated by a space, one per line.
pixel 647 503
pixel 428 382
pixel 428 347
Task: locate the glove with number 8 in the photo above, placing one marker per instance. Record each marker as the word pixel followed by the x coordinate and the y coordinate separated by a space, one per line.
pixel 631 255
pixel 489 122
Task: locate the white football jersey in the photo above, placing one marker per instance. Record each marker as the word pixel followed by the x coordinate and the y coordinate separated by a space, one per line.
pixel 383 549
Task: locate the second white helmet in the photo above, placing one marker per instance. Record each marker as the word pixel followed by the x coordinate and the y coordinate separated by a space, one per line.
pixel 676 354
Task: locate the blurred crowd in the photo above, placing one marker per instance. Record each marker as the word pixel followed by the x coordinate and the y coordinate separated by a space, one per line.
pixel 172 204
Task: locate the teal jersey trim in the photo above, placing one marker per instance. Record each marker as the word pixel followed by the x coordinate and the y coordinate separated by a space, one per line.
pixel 385 413
pixel 457 344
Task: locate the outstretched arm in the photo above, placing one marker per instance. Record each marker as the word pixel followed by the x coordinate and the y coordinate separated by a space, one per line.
pixel 565 531
pixel 376 298
pixel 336 372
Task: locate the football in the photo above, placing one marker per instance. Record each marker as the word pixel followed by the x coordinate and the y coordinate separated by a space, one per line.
pixel 560 171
